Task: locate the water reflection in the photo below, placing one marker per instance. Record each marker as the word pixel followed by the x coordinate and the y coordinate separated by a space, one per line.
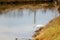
pixel 19 23
pixel 34 17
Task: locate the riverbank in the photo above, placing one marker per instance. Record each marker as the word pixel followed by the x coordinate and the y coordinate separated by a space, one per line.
pixel 50 32
pixel 6 7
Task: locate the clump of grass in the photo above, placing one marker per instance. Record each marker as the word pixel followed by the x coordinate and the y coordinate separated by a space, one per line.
pixel 49 6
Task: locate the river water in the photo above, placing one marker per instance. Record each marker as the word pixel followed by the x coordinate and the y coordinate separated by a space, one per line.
pixel 20 23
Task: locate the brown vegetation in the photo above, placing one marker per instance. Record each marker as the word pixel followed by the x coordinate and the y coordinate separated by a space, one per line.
pixel 50 32
pixel 6 5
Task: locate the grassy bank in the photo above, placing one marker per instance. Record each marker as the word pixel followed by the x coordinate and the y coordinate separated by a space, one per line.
pixel 5 6
pixel 20 6
pixel 50 32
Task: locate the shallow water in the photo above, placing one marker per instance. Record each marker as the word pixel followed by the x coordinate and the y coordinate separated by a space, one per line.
pixel 20 23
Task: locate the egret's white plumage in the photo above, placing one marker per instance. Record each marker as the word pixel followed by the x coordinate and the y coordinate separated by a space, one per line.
pixel 36 27
pixel 39 25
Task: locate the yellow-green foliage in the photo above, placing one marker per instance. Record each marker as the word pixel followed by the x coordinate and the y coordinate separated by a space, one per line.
pixel 51 31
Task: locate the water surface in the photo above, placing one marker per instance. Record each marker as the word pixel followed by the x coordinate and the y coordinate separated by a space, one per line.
pixel 20 23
